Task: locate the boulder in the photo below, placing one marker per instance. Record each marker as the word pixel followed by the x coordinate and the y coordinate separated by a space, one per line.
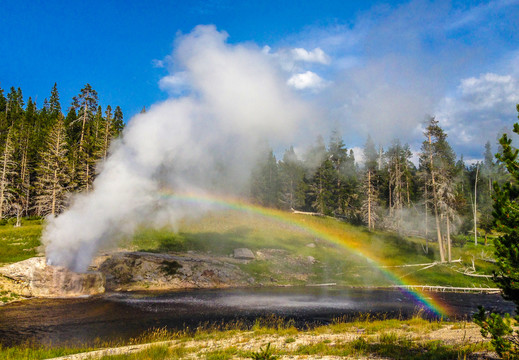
pixel 243 254
pixel 33 277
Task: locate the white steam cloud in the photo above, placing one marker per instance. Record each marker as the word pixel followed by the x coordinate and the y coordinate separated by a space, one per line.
pixel 203 141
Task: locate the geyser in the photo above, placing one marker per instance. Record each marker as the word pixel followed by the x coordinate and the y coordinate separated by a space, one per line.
pixel 206 140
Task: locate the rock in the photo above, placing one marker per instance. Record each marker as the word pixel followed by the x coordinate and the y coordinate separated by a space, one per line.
pixel 33 277
pixel 148 271
pixel 243 254
pixel 311 259
pixel 310 245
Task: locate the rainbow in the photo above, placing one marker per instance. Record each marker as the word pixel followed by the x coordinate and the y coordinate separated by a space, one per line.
pixel 423 300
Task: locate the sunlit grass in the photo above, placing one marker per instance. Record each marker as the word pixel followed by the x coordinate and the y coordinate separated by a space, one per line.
pixel 19 243
pixel 353 257
pixel 34 352
pixel 345 254
pixel 364 336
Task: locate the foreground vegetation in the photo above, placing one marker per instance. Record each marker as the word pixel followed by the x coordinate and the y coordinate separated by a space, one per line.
pixel 414 338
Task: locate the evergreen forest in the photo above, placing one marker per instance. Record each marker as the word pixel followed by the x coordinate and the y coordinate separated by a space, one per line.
pixel 441 200
pixel 45 156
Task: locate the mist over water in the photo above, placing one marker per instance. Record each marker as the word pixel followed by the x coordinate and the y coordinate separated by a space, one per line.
pixel 227 102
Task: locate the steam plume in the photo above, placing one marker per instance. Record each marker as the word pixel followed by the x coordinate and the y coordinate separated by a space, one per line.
pixel 205 140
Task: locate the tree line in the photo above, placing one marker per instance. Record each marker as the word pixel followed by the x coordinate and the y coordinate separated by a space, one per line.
pixel 440 197
pixel 46 155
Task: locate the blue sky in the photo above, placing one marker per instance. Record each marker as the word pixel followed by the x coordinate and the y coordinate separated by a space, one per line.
pixel 368 66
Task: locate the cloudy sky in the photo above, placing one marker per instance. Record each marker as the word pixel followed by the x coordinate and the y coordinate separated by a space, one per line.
pixel 366 67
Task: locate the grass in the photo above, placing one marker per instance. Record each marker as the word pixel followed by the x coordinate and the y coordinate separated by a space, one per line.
pixel 393 339
pixel 19 243
pixel 35 352
pixel 352 258
pixel 156 352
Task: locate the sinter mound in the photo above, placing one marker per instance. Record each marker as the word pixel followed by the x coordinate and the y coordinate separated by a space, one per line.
pixel 34 278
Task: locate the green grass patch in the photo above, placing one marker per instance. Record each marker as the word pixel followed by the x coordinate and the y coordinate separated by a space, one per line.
pixel 20 243
pixel 347 255
pixel 32 352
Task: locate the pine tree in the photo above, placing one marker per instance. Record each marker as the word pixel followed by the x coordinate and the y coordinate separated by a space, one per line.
pixel 370 185
pixel 54 104
pixel 107 131
pixel 321 188
pixel 291 174
pixel 7 172
pixel 370 202
pixel 3 101
pixel 86 102
pixel 14 107
pixel 395 184
pixel 118 123
pixel 506 213
pixel 53 173
pixel 437 163
pixel 315 155
pixel 3 116
pixel 370 155
pixel 265 181
pixel 338 155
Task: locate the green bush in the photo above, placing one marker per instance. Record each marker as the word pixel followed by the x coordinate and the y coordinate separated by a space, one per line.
pixel 264 354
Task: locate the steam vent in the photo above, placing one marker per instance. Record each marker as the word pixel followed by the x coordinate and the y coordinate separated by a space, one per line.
pixel 34 278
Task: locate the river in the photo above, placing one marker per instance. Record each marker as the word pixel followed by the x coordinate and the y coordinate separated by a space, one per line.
pixel 120 316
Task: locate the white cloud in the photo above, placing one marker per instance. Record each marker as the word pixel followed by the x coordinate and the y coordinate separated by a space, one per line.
pixel 480 13
pixel 307 80
pixel 175 84
pixel 479 110
pixel 489 91
pixel 394 65
pixel 157 63
pixel 315 56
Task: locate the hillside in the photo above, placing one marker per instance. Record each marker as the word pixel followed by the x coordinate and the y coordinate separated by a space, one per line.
pixel 302 249
pixel 288 249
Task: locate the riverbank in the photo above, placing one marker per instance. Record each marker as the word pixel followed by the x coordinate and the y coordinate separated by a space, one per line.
pixel 414 338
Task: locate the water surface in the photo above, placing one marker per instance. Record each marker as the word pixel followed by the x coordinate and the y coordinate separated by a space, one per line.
pixel 124 315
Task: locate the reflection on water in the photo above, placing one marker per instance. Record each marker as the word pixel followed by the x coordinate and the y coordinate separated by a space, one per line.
pixel 124 315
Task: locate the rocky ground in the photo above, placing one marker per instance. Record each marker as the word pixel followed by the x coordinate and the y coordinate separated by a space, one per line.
pixel 129 271
pixel 288 345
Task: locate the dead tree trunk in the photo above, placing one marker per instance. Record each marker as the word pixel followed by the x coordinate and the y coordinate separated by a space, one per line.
pixel 475 206
pixel 83 128
pixel 448 240
pixel 435 200
pixel 369 199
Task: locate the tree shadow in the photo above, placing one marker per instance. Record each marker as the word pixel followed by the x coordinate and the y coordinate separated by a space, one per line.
pixel 209 241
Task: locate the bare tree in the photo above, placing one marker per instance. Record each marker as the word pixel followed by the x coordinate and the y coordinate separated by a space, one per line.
pixel 53 172
pixel 7 171
pixel 369 204
pixel 437 163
